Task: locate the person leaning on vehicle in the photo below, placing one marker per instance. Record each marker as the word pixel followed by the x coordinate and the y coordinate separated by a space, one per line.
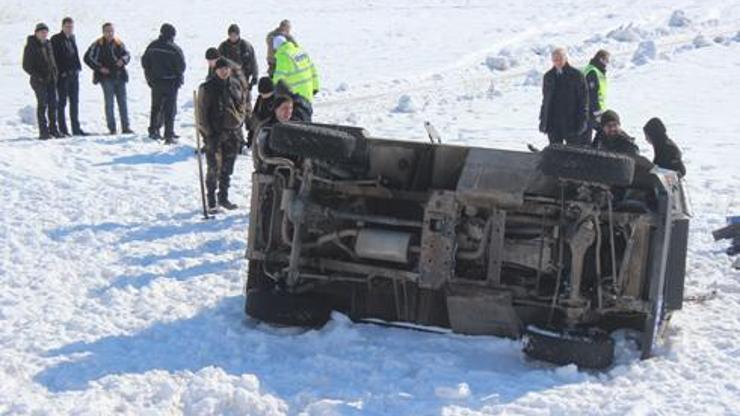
pixel 564 110
pixel 220 117
pixel 164 66
pixel 108 57
pixel 294 67
pixel 39 63
pixel 68 85
pixel 262 110
pixel 612 138
pixel 597 87
pixel 667 155
pixel 282 30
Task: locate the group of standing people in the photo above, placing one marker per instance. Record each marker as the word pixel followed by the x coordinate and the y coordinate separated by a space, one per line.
pixel 224 106
pixel 574 112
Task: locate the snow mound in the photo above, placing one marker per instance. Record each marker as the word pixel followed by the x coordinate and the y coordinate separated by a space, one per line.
pixel 458 392
pixel 679 19
pixel 629 33
pixel 700 41
pixel 737 36
pixel 646 52
pixel 27 115
pixel 342 87
pixel 532 78
pixel 213 392
pixel 492 91
pixel 405 105
pixel 498 63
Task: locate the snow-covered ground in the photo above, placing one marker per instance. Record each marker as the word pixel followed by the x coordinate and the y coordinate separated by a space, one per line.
pixel 116 298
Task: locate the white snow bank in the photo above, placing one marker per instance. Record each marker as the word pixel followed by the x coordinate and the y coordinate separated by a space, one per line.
pixel 629 33
pixel 700 41
pixel 27 115
pixel 405 105
pixel 533 77
pixel 646 52
pixel 679 19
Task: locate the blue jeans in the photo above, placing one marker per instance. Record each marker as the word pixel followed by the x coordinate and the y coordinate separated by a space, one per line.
pixel 115 88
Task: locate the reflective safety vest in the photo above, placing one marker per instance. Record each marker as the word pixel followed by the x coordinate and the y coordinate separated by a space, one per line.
pixel 294 67
pixel 602 84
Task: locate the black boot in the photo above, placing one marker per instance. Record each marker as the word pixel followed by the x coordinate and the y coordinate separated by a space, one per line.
pixel 223 200
pixel 211 199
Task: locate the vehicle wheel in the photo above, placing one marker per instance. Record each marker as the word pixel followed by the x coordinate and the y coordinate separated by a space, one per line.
pixel 586 349
pixel 587 165
pixel 310 141
pixel 278 307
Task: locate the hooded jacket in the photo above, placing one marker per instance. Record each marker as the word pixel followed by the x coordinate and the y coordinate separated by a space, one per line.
pixel 667 153
pixel 38 61
pixel 104 54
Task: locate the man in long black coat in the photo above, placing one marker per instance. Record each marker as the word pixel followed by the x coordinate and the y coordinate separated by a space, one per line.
pixel 564 111
pixel 39 63
pixel 68 86
pixel 164 66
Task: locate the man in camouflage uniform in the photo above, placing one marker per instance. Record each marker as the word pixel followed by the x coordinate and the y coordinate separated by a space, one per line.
pixel 221 113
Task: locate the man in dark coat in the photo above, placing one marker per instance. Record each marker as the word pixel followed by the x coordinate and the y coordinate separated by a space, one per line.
pixel 564 111
pixel 667 153
pixel 68 85
pixel 221 114
pixel 108 57
pixel 164 66
pixel 612 138
pixel 263 106
pixel 242 53
pixel 39 63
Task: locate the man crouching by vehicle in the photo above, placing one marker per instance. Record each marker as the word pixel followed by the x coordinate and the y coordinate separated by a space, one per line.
pixel 220 117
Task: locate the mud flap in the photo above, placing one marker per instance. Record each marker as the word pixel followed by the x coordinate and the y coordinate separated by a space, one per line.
pixel 482 311
pixel 591 348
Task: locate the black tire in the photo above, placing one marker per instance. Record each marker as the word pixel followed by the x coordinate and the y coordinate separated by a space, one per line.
pixel 311 141
pixel 278 307
pixel 592 349
pixel 587 165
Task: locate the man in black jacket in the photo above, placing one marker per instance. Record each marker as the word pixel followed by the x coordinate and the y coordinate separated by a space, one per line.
pixel 242 53
pixel 612 138
pixel 667 153
pixel 68 86
pixel 221 114
pixel 39 63
pixel 108 57
pixel 164 66
pixel 564 111
pixel 263 107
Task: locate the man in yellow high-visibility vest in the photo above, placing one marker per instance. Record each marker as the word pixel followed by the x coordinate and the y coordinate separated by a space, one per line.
pixel 597 86
pixel 294 68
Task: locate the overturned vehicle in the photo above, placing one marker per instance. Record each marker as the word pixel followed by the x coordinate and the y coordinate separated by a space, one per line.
pixel 560 247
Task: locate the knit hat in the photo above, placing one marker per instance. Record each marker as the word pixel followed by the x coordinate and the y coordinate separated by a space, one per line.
pixel 278 41
pixel 168 31
pixel 279 100
pixel 233 28
pixel 221 62
pixel 654 128
pixel 265 86
pixel 40 27
pixel 212 53
pixel 609 116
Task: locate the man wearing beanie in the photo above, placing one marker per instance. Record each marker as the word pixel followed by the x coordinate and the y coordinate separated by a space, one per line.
pixel 262 110
pixel 221 114
pixel 667 155
pixel 612 138
pixel 596 84
pixel 39 63
pixel 164 66
pixel 108 57
pixel 241 52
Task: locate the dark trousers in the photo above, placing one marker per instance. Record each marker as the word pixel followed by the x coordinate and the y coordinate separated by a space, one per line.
pixel 221 152
pixel 115 88
pixel 164 107
pixel 46 104
pixel 68 87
